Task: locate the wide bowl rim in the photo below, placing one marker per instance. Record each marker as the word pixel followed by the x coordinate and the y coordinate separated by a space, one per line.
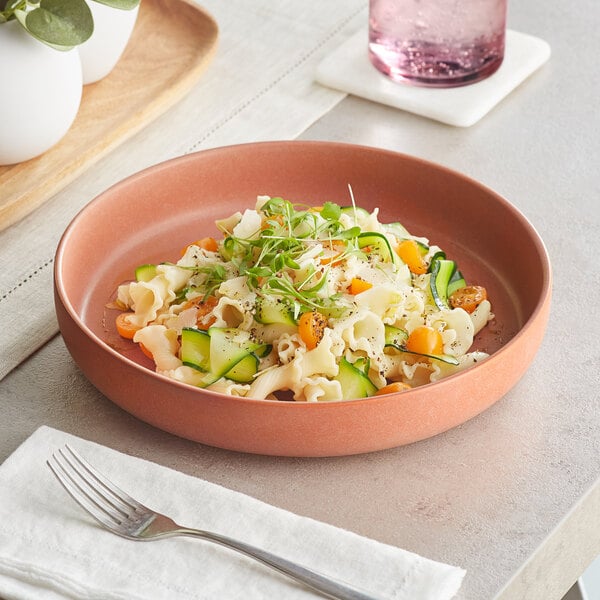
pixel 540 304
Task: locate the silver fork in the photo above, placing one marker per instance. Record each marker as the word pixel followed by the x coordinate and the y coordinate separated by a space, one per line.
pixel 126 517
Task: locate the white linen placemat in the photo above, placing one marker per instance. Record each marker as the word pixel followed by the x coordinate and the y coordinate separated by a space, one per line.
pixel 349 69
pixel 51 549
pixel 260 86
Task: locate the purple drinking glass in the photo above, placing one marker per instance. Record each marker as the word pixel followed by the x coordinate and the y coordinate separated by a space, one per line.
pixel 437 43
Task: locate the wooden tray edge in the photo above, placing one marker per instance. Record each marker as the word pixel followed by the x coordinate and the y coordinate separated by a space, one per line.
pixel 18 205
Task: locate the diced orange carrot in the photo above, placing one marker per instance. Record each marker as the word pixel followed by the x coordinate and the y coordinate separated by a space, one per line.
pixel 425 340
pixel 408 251
pixel 125 328
pixel 205 306
pixel 358 285
pixel 207 243
pixel 311 327
pixel 392 388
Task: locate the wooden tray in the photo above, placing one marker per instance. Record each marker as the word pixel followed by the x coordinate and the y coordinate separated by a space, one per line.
pixel 171 45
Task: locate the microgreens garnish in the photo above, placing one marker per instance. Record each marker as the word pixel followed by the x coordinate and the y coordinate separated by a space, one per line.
pixel 215 276
pixel 272 258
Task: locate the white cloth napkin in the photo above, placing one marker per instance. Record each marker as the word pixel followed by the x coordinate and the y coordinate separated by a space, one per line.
pixel 51 549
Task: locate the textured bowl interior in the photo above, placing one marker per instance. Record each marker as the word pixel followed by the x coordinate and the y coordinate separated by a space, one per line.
pixel 150 216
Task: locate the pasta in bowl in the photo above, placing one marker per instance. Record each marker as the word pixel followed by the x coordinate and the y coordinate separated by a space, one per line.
pixel 326 302
pixel 148 217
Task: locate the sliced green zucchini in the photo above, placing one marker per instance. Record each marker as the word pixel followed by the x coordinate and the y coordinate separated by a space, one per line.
pixel 423 248
pixel 439 255
pixel 362 364
pixel 354 381
pixel 445 278
pixel 333 310
pixel 207 379
pixel 263 350
pixel 456 282
pixel 221 353
pixel 273 309
pixel 446 358
pixel 245 370
pixel 195 348
pixel 145 272
pixel 395 337
pixel 228 346
pixel 378 244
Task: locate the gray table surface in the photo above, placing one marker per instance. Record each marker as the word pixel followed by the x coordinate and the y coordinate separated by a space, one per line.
pixel 513 495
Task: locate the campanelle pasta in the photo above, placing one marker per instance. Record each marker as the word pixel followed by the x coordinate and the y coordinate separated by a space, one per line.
pixel 327 303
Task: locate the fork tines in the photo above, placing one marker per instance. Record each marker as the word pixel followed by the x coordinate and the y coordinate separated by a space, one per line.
pixel 90 489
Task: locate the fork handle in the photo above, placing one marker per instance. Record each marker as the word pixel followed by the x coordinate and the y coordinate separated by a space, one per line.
pixel 330 588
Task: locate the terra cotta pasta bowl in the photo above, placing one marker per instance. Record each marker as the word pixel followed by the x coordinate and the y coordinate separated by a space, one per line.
pixel 150 216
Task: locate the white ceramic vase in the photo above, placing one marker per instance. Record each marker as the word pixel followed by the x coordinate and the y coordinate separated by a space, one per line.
pixel 112 30
pixel 40 94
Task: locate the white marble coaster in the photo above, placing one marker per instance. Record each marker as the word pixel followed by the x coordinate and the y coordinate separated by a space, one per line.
pixel 348 69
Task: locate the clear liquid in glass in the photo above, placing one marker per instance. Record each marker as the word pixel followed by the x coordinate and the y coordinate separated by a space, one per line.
pixel 437 43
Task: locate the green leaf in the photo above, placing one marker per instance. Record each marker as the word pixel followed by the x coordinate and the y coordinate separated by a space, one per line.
pixel 290 262
pixel 316 288
pixel 260 271
pixel 274 206
pixel 331 211
pixel 8 8
pixel 61 24
pixel 120 4
pixel 350 233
